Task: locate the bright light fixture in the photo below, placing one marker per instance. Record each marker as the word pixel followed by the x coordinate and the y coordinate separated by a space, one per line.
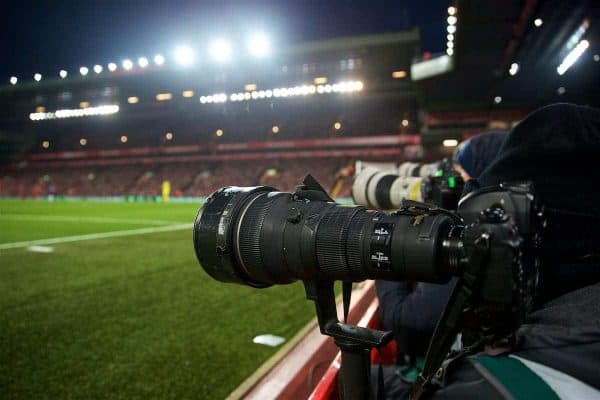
pixel 452 20
pixel 37 77
pixel 184 55
pixel 258 45
pixel 572 57
pixel 143 62
pixel 169 135
pixel 399 74
pixel 112 67
pixel 159 59
pixel 514 68
pixel 450 37
pixel 451 29
pixel 164 96
pixel 13 80
pixel 275 129
pixel 123 139
pixel 83 141
pixel 450 142
pixel 98 68
pixel 45 144
pixel 133 100
pixel 538 22
pixel 84 71
pixel 63 73
pixel 451 10
pixel 220 50
pixel 404 122
pixel 127 64
pixel 187 93
pixel 498 99
pixel 219 132
pixel 449 51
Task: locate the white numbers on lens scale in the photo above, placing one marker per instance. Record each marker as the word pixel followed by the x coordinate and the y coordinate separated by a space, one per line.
pixel 379 257
pixel 381 231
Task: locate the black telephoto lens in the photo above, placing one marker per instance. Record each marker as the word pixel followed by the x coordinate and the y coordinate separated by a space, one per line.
pixel 259 237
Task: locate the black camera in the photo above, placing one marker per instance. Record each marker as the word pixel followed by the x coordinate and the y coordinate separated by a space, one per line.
pixel 385 189
pixel 258 236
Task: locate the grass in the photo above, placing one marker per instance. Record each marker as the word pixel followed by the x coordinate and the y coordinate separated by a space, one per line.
pixel 129 317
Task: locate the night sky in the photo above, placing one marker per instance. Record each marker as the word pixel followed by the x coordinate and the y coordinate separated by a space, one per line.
pixel 45 36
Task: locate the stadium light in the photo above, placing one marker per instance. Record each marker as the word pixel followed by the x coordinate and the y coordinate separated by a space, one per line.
pixel 451 10
pixel 123 139
pixel 83 141
pixel 187 93
pixel 450 142
pixel 596 57
pixel 45 144
pixel 451 29
pixel 127 64
pixel 275 129
pixel 572 57
pixel 169 135
pixel 143 62
pixel 184 55
pixel 514 68
pixel 98 68
pixel 84 104
pixel 404 122
pixel 159 59
pixel 399 74
pixel 450 45
pixel 37 77
pixel 84 71
pixel 258 45
pixel 164 96
pixel 449 51
pixel 561 90
pixel 452 20
pixel 13 80
pixel 219 132
pixel 63 73
pixel 538 22
pixel 74 113
pixel 220 50
pixel 450 37
pixel 337 126
pixel 498 99
pixel 133 100
pixel 112 67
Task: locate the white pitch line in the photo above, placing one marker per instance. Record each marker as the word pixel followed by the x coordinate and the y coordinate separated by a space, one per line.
pixel 93 236
pixel 100 220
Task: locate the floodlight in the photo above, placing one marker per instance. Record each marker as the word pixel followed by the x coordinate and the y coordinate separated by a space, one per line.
pixel 498 99
pixel 112 67
pixel 159 59
pixel 258 45
pixel 451 28
pixel 572 57
pixel 514 68
pixel 452 20
pixel 538 22
pixel 98 68
pixel 84 71
pixel 184 55
pixel 13 80
pixel 143 62
pixel 220 50
pixel 37 77
pixel 63 73
pixel 127 64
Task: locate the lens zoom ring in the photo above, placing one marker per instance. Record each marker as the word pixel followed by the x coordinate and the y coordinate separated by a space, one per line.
pixel 249 236
pixel 331 241
pixel 356 232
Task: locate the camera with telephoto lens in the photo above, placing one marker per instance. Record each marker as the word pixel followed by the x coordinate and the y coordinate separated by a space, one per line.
pixel 258 236
pixel 385 189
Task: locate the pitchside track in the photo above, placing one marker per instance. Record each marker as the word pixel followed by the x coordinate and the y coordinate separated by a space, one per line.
pixel 106 300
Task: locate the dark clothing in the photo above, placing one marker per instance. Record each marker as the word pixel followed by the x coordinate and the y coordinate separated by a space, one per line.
pixel 412 315
pixel 478 152
pixel 564 335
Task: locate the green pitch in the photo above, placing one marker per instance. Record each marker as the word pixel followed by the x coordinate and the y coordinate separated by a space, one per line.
pixel 129 316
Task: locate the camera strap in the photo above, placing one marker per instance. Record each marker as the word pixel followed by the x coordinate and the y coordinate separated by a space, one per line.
pixel 452 319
